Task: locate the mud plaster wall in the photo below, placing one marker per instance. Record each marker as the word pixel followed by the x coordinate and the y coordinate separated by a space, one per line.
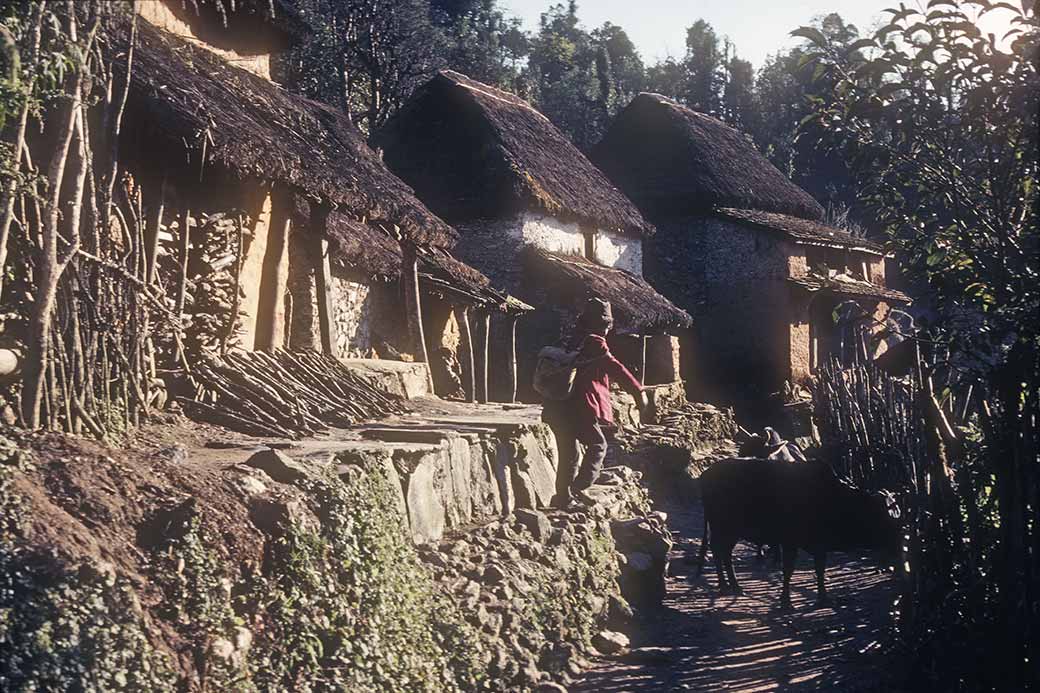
pixel 157 13
pixel 253 268
pixel 733 280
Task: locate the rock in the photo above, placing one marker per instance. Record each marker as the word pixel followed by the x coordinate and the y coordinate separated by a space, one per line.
pixel 174 454
pixel 279 466
pixel 550 687
pixel 610 642
pixel 274 516
pixel 639 561
pixel 222 648
pixel 494 574
pixel 536 522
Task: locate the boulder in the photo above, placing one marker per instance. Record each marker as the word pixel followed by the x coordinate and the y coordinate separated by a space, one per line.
pixel 536 522
pixel 279 466
pixel 645 543
pixel 610 642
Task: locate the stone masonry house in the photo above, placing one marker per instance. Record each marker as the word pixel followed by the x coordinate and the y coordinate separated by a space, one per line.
pixel 741 247
pixel 534 215
pixel 227 152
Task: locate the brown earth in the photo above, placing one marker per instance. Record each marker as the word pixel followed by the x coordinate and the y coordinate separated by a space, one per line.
pixel 88 501
pixel 701 641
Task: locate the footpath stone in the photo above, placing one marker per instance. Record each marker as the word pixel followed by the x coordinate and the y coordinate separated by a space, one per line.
pixel 279 466
pixel 536 522
pixel 610 642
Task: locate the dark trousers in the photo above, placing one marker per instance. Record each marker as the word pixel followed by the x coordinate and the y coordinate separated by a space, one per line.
pixel 577 472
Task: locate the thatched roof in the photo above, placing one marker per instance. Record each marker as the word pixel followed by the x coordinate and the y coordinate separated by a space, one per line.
pixel 185 99
pixel 472 151
pixel 802 231
pixel 571 280
pixel 672 161
pixel 373 254
pixel 842 285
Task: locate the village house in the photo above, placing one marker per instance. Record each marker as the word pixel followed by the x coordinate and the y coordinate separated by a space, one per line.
pixel 536 216
pixel 743 249
pixel 299 236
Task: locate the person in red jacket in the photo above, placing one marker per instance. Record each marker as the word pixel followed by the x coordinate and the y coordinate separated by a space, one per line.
pixel 587 417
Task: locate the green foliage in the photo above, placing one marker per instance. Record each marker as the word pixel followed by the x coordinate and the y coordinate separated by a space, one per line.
pixel 349 607
pixel 197 600
pixel 64 630
pixel 938 122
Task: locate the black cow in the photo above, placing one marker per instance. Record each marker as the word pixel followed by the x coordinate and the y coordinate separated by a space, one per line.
pixel 797 506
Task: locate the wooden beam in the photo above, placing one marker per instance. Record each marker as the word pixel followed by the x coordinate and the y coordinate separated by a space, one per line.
pixel 270 314
pixel 323 281
pixel 642 367
pixel 469 381
pixel 412 301
pixel 485 357
pixel 513 375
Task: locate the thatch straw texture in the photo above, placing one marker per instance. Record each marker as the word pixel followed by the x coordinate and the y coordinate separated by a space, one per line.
pixel 674 161
pixel 376 256
pixel 184 97
pixel 571 280
pixel 846 286
pixel 472 151
pixel 804 231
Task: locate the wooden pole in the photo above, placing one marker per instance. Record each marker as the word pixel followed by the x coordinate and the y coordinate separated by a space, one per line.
pixel 642 367
pixel 270 319
pixel 469 382
pixel 323 281
pixel 513 375
pixel 485 358
pixel 412 301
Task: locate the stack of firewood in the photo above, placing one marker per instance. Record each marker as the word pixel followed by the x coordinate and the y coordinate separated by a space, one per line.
pixel 283 394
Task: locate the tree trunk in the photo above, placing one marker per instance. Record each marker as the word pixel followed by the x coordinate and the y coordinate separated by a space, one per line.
pixel 49 270
pixel 7 198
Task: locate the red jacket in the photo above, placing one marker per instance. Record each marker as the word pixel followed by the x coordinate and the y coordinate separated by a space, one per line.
pixel 596 367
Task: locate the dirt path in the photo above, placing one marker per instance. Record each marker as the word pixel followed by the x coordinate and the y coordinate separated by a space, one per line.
pixel 701 641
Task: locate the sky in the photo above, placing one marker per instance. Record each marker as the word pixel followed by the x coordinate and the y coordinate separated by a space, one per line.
pixel 757 28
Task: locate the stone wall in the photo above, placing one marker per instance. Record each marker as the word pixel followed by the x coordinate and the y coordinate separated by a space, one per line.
pixel 733 280
pixel 354 312
pixel 304 328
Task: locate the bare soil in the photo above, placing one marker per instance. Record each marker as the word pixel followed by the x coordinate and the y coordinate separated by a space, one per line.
pixel 701 641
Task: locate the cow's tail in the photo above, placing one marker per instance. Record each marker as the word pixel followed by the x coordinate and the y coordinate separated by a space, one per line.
pixel 704 549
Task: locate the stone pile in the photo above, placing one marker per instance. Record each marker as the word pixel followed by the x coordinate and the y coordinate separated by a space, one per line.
pixel 545 589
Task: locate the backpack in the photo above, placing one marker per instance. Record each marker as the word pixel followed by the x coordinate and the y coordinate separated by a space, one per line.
pixel 555 372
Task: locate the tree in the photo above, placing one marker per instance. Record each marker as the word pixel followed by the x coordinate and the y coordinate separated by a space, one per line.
pixel 703 64
pixel 483 42
pixel 570 76
pixel 787 86
pixel 627 72
pixel 938 122
pixel 367 56
pixel 738 96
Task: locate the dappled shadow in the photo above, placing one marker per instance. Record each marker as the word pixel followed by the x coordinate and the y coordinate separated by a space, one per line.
pixel 704 641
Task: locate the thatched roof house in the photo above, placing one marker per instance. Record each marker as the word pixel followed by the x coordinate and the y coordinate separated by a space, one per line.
pixel 532 211
pixel 334 252
pixel 675 161
pixel 200 115
pixel 472 151
pixel 740 246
